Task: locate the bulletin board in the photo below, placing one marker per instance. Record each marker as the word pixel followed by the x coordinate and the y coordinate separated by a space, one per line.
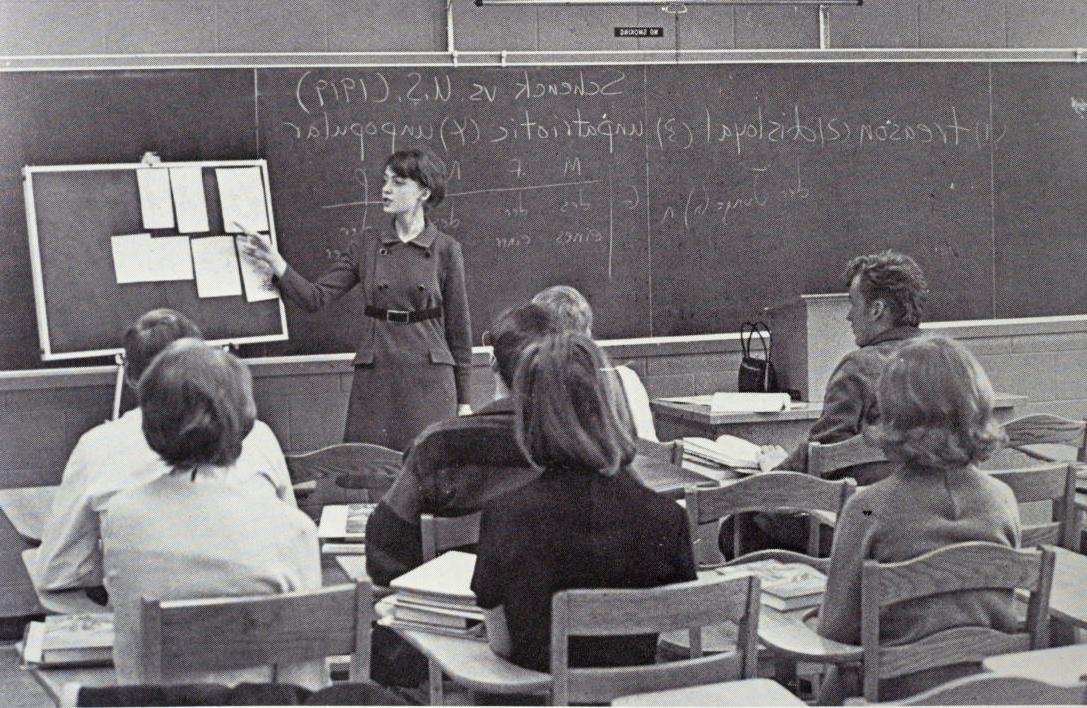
pixel 75 212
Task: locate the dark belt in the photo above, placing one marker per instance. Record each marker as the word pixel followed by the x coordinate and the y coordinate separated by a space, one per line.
pixel 403 316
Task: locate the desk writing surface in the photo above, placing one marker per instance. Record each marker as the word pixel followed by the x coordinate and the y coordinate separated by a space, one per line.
pixel 1059 665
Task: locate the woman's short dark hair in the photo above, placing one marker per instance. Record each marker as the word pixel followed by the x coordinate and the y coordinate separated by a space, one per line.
pixel 197 404
pixel 894 278
pixel 150 334
pixel 571 411
pixel 514 330
pixel 936 407
pixel 569 306
pixel 423 166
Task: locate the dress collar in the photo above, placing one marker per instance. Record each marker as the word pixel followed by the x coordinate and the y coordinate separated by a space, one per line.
pixel 893 334
pixel 425 239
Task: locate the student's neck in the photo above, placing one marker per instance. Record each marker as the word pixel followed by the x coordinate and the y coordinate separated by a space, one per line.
pixel 408 226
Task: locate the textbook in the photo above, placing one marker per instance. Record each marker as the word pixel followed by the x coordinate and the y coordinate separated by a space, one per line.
pixel 337 548
pixel 785 586
pixel 447 578
pixel 435 614
pixel 84 639
pixel 727 450
pixel 345 522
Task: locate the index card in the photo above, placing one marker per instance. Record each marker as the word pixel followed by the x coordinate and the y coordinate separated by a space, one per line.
pixel 155 203
pixel 169 258
pixel 187 184
pixel 129 258
pixel 241 193
pixel 216 264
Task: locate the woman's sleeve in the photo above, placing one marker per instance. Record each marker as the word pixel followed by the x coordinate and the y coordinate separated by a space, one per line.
pixel 458 327
pixel 839 616
pixel 331 285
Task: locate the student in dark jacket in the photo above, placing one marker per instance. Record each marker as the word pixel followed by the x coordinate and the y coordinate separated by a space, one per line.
pixel 586 522
pixel 413 363
pixel 458 465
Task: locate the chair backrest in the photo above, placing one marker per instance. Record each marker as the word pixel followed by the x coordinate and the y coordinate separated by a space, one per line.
pixel 973 565
pixel 998 690
pixel 769 491
pixel 266 630
pixel 825 458
pixel 1054 482
pixel 440 533
pixel 348 472
pixel 661 452
pixel 691 605
pixel 1047 429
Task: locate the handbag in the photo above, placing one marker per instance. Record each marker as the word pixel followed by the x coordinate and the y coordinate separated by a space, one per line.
pixel 757 374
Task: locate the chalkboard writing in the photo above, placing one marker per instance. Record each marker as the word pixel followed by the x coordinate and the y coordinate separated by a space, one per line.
pixel 680 199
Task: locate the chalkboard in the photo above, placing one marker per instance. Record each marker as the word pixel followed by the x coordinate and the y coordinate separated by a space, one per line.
pixel 80 305
pixel 681 199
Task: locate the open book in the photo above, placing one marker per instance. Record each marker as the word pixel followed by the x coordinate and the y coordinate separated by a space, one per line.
pixel 727 450
pixel 84 639
pixel 344 522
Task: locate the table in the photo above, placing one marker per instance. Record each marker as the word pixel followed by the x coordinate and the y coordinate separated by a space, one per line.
pixel 789 428
pixel 27 508
pixel 1068 598
pixel 746 692
pixel 1061 666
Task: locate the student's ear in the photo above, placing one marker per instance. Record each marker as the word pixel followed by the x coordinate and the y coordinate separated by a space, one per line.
pixel 425 194
pixel 877 308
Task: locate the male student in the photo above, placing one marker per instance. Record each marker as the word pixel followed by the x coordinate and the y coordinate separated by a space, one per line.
pixel 115 456
pixel 457 465
pixel 887 293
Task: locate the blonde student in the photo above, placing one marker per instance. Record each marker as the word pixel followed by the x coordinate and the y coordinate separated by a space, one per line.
pixel 936 420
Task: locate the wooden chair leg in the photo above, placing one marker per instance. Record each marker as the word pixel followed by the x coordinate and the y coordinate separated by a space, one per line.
pixel 437 693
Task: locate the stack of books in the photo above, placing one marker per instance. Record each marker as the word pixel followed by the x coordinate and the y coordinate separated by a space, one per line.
pixel 437 597
pixel 343 528
pixel 785 586
pixel 84 639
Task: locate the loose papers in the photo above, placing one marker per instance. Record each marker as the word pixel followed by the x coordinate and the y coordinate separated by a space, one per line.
pixel 241 193
pixel 216 265
pixel 187 185
pixel 155 202
pixel 138 258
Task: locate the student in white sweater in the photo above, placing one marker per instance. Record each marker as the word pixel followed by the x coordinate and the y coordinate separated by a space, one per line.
pixel 114 456
pixel 200 530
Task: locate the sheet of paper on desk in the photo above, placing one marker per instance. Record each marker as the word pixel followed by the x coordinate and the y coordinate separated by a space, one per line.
pixel 730 402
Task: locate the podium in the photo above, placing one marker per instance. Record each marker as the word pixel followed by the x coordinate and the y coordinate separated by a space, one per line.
pixel 809 336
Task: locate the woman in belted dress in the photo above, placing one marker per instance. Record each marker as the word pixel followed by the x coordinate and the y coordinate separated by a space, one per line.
pixel 413 360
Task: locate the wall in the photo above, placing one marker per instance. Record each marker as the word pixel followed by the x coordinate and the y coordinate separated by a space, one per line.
pixel 32 27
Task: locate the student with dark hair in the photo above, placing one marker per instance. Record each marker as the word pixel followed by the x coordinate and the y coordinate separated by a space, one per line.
pixel 457 465
pixel 936 419
pixel 200 530
pixel 414 358
pixel 114 456
pixel 887 294
pixel 585 522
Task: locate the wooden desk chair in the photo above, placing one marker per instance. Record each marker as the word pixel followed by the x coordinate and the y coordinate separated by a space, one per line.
pixel 692 606
pixel 1054 483
pixel 996 690
pixel 438 534
pixel 767 492
pixel 240 632
pixel 441 533
pixel 1045 429
pixel 348 472
pixel 825 458
pixel 962 566
pixel 661 452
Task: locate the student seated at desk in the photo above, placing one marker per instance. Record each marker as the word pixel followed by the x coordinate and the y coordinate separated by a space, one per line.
pixel 574 313
pixel 200 529
pixel 937 420
pixel 586 522
pixel 887 293
pixel 114 456
pixel 457 465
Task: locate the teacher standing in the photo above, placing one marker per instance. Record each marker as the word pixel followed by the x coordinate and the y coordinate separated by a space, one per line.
pixel 414 356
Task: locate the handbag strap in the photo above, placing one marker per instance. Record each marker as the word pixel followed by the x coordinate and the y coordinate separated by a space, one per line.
pixel 749 330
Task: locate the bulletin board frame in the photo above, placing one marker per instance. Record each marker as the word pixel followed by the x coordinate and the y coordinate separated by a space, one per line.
pixel 218 321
